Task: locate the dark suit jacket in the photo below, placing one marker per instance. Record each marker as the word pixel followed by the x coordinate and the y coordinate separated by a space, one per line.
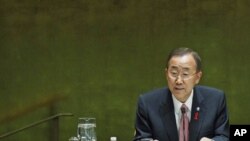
pixel 155 116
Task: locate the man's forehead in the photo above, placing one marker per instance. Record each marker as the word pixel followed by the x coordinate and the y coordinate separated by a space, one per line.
pixel 184 62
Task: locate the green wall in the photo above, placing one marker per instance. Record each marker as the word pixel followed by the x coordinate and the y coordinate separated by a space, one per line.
pixel 102 55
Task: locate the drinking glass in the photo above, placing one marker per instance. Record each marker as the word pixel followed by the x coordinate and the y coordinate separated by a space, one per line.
pixel 73 139
pixel 86 129
pixel 146 139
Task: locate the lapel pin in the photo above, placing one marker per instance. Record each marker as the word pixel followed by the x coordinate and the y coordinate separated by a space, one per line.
pixel 196 114
pixel 198 109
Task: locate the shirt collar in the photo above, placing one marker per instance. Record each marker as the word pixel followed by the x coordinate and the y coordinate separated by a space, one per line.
pixel 188 103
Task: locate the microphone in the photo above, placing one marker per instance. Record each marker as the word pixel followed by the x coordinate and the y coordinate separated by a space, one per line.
pixel 183 110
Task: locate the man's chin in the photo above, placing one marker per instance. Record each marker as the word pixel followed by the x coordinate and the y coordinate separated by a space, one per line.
pixel 179 94
pixel 179 91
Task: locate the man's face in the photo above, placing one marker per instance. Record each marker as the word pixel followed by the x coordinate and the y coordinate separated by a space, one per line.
pixel 182 76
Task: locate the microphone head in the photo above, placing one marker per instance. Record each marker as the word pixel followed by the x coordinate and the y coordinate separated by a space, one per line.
pixel 183 110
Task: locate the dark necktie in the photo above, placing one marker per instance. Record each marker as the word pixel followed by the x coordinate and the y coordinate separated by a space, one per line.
pixel 183 132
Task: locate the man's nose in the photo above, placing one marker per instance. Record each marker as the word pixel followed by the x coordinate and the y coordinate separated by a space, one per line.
pixel 179 79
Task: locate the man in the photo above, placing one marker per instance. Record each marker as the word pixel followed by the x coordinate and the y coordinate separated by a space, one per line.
pixel 184 111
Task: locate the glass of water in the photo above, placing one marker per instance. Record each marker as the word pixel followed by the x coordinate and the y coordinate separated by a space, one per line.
pixel 73 139
pixel 146 139
pixel 86 129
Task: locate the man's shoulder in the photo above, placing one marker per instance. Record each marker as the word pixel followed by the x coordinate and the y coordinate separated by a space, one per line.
pixel 207 90
pixel 155 96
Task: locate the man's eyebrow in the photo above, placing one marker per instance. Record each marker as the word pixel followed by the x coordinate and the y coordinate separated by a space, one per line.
pixel 174 67
pixel 177 67
pixel 186 68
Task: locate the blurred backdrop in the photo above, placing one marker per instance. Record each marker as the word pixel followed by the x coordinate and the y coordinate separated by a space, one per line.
pixel 94 58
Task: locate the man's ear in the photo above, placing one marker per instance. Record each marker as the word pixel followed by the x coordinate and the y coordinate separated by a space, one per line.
pixel 199 75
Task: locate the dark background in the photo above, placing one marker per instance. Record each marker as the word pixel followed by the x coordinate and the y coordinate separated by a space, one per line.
pixel 101 54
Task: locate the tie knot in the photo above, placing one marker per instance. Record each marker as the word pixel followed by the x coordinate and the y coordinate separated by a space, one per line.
pixel 184 108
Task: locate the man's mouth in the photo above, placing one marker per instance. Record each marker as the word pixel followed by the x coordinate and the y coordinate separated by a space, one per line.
pixel 178 88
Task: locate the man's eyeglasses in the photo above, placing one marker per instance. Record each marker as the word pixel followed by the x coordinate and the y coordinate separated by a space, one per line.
pixel 174 74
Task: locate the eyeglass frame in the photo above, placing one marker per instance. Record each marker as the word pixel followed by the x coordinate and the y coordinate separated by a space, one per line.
pixel 180 73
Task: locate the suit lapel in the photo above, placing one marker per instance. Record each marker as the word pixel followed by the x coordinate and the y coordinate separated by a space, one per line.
pixel 197 115
pixel 168 118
